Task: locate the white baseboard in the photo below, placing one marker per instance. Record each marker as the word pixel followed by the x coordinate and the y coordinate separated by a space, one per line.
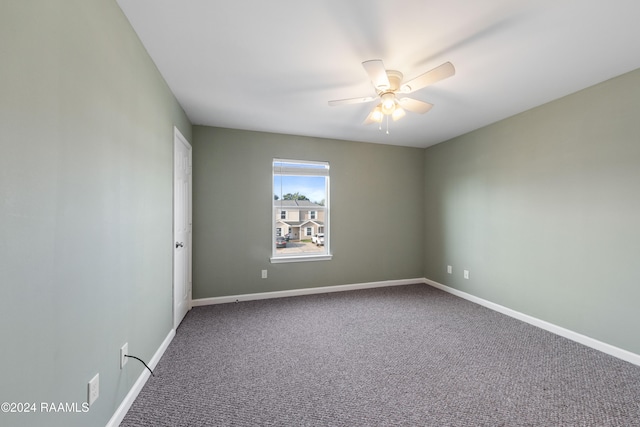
pixel 305 291
pixel 558 330
pixel 128 400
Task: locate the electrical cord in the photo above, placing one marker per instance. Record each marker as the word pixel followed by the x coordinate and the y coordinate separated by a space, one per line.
pixel 142 361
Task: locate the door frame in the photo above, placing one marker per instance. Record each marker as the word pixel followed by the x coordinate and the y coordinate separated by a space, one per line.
pixel 178 138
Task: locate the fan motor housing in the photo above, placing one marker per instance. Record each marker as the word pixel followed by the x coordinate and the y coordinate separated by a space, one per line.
pixel 395 78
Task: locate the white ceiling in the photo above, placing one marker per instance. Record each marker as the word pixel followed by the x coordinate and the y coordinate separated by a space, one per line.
pixel 273 65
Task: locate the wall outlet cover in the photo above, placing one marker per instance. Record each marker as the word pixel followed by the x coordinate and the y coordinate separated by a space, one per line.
pixel 124 350
pixel 466 274
pixel 93 389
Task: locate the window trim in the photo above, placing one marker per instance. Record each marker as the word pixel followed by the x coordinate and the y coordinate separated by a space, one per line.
pixel 323 172
pixel 301 258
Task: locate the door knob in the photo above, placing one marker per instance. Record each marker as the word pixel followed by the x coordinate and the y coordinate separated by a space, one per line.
pixel 179 245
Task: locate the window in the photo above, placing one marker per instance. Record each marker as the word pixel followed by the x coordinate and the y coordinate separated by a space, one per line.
pixel 300 205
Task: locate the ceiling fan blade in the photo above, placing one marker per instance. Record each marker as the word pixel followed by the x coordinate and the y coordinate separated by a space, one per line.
pixel 414 105
pixel 377 74
pixel 430 77
pixel 351 101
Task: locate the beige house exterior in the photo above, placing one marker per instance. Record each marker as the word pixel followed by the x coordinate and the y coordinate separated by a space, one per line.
pixel 300 219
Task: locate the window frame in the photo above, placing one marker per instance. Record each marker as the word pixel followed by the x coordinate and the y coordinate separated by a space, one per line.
pixel 292 170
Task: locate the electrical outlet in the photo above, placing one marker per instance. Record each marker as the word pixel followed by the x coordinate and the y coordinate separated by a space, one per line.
pixel 93 389
pixel 264 274
pixel 466 274
pixel 449 269
pixel 124 350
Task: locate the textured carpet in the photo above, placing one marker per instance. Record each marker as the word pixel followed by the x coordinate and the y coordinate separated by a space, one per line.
pixel 398 356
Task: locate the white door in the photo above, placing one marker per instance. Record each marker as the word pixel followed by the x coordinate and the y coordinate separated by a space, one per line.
pixel 181 228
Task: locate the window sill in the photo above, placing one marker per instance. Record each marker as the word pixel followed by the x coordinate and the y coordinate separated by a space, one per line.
pixel 302 258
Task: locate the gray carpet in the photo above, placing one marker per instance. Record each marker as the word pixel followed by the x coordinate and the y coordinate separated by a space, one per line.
pixel 398 356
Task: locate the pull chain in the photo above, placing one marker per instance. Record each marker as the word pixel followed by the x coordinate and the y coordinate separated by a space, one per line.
pixel 380 125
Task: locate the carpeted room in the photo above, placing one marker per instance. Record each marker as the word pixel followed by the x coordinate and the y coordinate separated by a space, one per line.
pixel 532 188
pixel 370 355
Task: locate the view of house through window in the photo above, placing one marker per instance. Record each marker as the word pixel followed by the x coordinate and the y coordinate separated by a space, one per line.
pixel 300 210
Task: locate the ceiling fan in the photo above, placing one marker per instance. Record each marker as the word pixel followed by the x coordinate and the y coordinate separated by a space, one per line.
pixel 388 85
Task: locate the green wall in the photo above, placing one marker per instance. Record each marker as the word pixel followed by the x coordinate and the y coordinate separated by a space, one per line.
pixel 543 209
pixel 377 211
pixel 85 205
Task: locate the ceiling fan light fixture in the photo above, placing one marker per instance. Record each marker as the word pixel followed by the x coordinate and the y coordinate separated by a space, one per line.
pixel 398 113
pixel 375 115
pixel 388 103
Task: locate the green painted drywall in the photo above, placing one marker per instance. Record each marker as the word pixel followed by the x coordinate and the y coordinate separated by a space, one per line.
pixel 543 209
pixel 85 206
pixel 377 204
